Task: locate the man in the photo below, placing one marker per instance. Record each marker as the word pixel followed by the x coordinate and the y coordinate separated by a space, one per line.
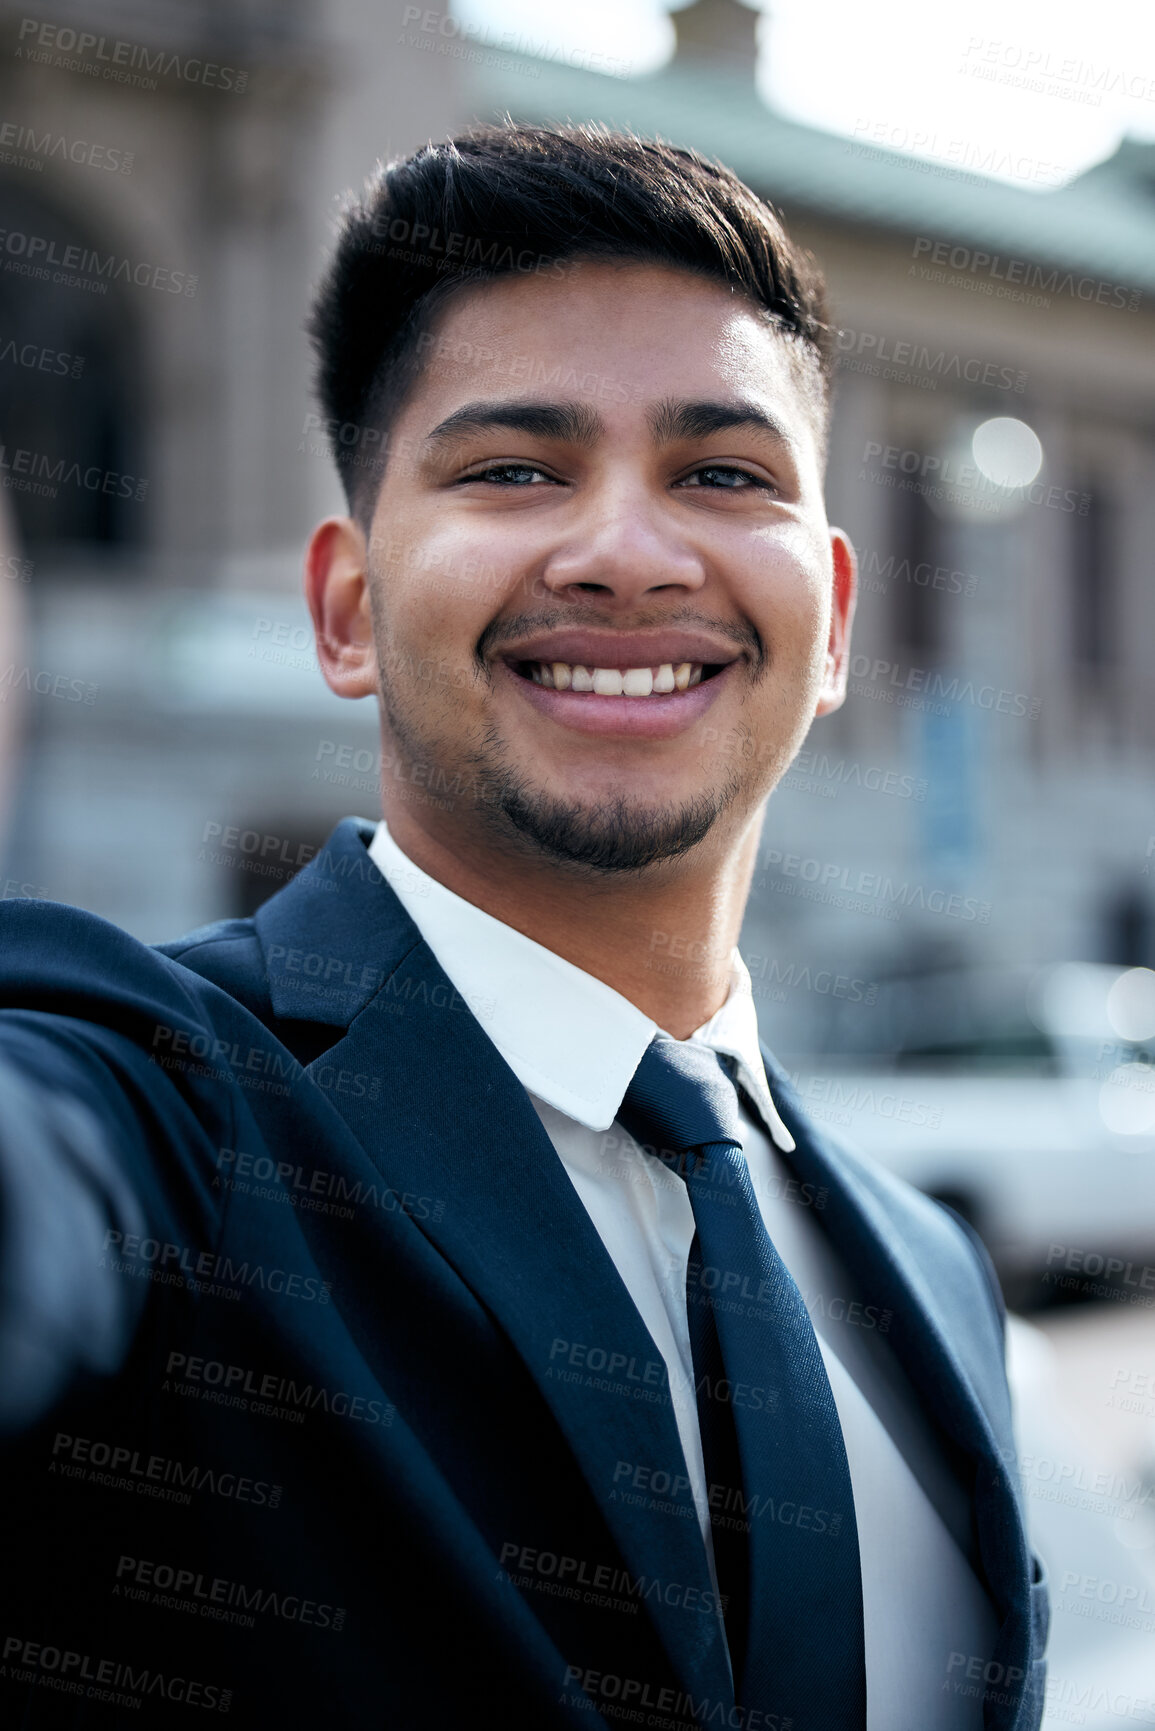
pixel 424 1303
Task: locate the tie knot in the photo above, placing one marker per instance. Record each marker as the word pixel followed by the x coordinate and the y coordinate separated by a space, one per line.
pixel 680 1100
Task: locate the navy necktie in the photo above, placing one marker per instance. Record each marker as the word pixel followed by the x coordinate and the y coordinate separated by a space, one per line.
pixel 781 1505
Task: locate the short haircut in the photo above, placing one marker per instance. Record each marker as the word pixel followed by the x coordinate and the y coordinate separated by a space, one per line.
pixel 507 199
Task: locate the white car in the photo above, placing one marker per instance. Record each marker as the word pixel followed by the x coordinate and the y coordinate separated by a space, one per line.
pixel 1027 1102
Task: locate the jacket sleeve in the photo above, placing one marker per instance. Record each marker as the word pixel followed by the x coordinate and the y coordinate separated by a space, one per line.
pixel 64 1195
pixel 101 1149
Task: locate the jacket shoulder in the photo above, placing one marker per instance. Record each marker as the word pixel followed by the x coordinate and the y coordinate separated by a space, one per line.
pixel 68 962
pixel 948 1251
pixel 228 954
pixel 53 953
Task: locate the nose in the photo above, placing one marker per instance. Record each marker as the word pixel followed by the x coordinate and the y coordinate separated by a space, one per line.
pixel 623 550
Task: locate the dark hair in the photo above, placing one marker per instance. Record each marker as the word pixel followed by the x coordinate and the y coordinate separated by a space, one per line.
pixel 510 198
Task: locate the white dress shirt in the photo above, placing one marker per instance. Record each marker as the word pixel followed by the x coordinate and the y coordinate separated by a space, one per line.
pixel 574 1044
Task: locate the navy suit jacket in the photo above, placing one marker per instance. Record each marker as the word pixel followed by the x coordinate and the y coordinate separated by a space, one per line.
pixel 324 1403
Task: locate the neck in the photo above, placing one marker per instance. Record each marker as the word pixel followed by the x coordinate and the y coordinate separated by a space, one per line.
pixel 663 937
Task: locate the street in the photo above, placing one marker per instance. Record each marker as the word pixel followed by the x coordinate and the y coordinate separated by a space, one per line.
pixel 1083 1381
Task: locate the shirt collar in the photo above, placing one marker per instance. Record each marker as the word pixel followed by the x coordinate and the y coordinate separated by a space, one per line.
pixel 568 1037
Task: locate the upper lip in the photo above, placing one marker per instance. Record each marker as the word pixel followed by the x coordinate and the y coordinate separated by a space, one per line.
pixel 623 649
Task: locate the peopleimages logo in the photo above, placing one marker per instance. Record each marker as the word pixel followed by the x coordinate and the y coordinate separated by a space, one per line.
pixel 36 472
pixel 119 61
pixel 816 771
pixel 955 158
pixel 850 1096
pixel 907 361
pixel 1032 68
pixel 269 1393
pixel 65 1670
pixel 527 1561
pixel 454 251
pixel 36 256
pixel 938 476
pixel 876 572
pixel 16 139
pixel 1123 1603
pixel 38 358
pixel 862 891
pixel 129 1469
pixel 216 1596
pixel 873 678
pixel 647 1704
pixel 200 1270
pixel 445 25
pixel 48 684
pixel 1010 273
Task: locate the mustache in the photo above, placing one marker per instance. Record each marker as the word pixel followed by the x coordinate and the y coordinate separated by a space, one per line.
pixel 502 636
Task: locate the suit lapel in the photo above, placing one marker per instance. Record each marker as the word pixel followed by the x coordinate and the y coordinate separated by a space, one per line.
pixel 452 1120
pixel 951 1351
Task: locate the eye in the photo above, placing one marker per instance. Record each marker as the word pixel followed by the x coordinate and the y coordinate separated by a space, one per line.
pixel 507 475
pixel 723 477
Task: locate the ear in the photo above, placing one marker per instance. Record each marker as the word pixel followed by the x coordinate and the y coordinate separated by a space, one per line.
pixel 844 580
pixel 337 590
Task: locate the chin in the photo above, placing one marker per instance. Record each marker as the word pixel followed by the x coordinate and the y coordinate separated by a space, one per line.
pixel 614 835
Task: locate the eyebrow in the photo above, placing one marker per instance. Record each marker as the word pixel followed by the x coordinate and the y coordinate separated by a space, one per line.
pixel 570 423
pixel 578 424
pixel 674 419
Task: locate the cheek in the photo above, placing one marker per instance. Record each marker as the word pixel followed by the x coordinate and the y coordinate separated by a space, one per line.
pixel 429 612
pixel 453 582
pixel 788 594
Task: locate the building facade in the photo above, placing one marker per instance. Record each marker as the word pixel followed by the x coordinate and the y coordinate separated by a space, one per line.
pixel 168 176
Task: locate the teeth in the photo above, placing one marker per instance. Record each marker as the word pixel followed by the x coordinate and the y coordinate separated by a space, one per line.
pixel 614 681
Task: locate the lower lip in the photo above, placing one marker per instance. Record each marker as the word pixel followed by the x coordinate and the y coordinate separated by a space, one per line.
pixel 623 717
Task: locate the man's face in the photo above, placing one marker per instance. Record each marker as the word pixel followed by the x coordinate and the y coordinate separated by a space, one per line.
pixel 601 576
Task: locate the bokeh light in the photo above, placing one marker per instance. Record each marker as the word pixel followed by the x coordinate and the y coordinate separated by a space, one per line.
pixel 1131 1004
pixel 1007 451
pixel 1127 1100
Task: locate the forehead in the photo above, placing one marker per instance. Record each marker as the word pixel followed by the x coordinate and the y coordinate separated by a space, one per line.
pixel 621 335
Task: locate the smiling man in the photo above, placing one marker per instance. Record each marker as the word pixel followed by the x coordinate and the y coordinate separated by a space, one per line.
pixel 665 611
pixel 425 1286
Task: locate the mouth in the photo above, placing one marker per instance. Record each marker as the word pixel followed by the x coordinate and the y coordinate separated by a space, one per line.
pixel 661 679
pixel 627 700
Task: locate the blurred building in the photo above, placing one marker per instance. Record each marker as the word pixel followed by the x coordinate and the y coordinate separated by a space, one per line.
pixel 169 173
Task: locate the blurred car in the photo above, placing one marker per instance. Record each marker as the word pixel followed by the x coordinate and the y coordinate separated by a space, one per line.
pixel 1025 1100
